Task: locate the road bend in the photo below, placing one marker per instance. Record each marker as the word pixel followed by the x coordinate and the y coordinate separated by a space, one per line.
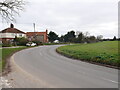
pixel 42 67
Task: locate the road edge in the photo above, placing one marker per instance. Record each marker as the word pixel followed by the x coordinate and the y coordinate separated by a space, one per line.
pixel 7 69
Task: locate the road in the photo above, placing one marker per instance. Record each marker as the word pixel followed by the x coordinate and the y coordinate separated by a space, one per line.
pixel 43 67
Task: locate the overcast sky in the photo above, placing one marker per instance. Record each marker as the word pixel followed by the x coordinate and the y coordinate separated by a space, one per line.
pixel 98 17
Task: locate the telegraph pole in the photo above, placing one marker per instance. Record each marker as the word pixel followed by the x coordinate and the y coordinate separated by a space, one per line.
pixel 34 26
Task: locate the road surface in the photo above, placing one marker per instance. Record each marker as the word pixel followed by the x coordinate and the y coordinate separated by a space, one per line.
pixel 42 67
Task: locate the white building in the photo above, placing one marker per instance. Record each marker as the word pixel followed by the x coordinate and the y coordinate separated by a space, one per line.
pixel 9 34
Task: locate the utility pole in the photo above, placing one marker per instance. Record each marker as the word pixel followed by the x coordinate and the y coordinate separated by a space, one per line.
pixel 34 30
pixel 34 26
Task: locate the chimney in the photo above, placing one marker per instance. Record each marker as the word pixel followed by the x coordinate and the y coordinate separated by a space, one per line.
pixel 46 31
pixel 11 25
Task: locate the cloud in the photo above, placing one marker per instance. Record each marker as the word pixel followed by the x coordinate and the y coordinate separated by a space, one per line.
pixel 95 16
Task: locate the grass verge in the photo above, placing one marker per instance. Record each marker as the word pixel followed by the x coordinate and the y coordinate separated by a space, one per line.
pixel 6 53
pixel 105 53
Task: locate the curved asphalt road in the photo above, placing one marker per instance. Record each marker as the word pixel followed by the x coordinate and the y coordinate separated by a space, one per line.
pixel 46 68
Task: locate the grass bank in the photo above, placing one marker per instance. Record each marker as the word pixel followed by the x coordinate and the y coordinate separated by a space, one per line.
pixel 105 53
pixel 54 43
pixel 6 53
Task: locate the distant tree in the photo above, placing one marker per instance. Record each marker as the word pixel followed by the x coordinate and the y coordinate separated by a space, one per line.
pixel 99 37
pixel 92 39
pixel 61 39
pixel 52 36
pixel 9 8
pixel 86 34
pixel 114 38
pixel 66 38
pixel 86 37
pixel 80 37
pixel 77 33
pixel 69 37
pixel 118 39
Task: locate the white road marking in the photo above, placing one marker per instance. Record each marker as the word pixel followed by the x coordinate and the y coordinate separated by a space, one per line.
pixel 110 80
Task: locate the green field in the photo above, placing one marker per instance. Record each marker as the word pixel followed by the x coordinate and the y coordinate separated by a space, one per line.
pixel 5 53
pixel 101 52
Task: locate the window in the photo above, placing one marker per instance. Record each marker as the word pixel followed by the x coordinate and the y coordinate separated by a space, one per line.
pixel 12 34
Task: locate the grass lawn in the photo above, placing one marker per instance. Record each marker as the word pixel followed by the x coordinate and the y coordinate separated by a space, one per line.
pixel 101 52
pixel 5 53
pixel 54 43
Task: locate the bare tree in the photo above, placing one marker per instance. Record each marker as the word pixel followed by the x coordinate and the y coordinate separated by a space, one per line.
pixel 10 8
pixel 99 37
pixel 86 34
pixel 77 33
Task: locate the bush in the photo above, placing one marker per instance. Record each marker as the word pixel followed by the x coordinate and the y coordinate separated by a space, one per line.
pixel 37 42
pixel 6 44
pixel 21 41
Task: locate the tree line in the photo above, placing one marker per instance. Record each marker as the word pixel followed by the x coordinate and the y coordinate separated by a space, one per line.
pixel 77 37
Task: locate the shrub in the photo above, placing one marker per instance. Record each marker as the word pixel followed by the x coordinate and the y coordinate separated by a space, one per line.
pixel 6 44
pixel 37 42
pixel 21 41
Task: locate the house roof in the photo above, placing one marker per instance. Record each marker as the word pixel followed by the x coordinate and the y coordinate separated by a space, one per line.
pixel 11 30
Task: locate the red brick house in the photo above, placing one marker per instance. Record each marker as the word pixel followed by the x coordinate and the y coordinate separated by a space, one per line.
pixel 39 36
